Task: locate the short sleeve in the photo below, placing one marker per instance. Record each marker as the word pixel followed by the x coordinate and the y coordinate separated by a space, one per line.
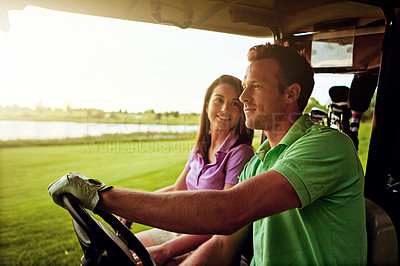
pixel 190 159
pixel 238 157
pixel 320 165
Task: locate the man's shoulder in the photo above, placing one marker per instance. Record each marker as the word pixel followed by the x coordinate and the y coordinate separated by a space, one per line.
pixel 328 135
pixel 321 129
pixel 322 141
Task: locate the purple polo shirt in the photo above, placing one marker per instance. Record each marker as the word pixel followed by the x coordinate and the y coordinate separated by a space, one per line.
pixel 227 168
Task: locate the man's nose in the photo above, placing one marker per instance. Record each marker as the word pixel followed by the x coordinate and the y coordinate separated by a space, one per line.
pixel 244 96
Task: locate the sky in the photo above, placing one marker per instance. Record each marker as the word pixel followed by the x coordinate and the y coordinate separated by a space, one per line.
pixel 60 58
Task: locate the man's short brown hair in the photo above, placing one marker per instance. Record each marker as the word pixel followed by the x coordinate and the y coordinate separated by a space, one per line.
pixel 294 68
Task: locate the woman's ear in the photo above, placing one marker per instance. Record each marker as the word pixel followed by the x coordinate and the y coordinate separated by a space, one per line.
pixel 292 93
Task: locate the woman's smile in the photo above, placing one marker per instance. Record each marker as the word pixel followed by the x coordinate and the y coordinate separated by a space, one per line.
pixel 224 117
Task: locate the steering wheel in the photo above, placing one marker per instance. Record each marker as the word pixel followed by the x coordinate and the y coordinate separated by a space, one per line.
pixel 100 245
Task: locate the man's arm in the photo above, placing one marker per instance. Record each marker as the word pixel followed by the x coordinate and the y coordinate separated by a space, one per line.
pixel 220 250
pixel 206 211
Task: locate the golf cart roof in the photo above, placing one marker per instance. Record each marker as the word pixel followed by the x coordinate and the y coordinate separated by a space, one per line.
pixel 359 24
pixel 260 18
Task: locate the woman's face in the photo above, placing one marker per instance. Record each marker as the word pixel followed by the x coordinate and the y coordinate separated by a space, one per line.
pixel 223 108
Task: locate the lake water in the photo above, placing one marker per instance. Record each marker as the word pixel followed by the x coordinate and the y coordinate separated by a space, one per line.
pixel 11 130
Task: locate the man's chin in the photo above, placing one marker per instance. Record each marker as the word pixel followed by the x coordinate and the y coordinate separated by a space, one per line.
pixel 255 124
pixel 251 124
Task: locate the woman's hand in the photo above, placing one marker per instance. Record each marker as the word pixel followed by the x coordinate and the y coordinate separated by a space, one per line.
pixel 157 253
pixel 125 221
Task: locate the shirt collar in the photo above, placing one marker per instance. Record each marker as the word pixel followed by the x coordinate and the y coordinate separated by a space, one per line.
pixel 294 133
pixel 228 142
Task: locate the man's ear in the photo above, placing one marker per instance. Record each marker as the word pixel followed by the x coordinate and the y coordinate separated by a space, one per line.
pixel 292 93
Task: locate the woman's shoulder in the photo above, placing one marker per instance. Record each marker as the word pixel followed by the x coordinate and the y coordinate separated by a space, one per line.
pixel 239 155
pixel 242 148
pixel 193 153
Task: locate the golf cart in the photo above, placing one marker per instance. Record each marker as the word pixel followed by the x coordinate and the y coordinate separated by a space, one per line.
pixel 361 37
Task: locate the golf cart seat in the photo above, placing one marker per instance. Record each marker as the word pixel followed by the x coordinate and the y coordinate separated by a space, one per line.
pixel 381 234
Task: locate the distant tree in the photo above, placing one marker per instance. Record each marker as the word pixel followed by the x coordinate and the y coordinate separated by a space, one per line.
pixel 151 111
pixel 15 107
pixel 68 108
pixel 99 113
pixel 158 116
pixel 175 114
pixel 39 107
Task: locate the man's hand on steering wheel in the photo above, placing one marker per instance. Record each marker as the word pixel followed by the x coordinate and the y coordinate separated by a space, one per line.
pixel 100 245
pixel 86 190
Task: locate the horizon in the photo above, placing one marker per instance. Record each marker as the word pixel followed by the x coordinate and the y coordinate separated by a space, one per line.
pixel 63 109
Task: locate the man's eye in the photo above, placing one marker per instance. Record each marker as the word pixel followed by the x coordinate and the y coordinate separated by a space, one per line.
pixel 235 104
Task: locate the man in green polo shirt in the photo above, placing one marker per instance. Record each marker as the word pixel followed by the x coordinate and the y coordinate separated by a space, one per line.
pixel 302 193
pixel 324 170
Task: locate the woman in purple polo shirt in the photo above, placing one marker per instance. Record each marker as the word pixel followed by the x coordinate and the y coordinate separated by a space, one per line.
pixel 222 149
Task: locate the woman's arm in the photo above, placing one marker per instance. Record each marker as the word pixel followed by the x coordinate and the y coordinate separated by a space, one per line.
pixel 221 250
pixel 180 245
pixel 176 247
pixel 180 183
pixel 228 186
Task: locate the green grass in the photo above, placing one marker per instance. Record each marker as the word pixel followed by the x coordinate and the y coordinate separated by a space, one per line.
pixel 35 231
pixel 131 137
pixel 364 136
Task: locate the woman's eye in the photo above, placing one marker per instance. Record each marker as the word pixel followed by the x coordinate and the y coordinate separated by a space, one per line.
pixel 236 104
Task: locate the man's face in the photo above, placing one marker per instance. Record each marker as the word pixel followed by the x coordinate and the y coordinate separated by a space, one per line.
pixel 264 105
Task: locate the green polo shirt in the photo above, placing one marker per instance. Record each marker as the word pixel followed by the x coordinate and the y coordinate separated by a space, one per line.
pixel 323 167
